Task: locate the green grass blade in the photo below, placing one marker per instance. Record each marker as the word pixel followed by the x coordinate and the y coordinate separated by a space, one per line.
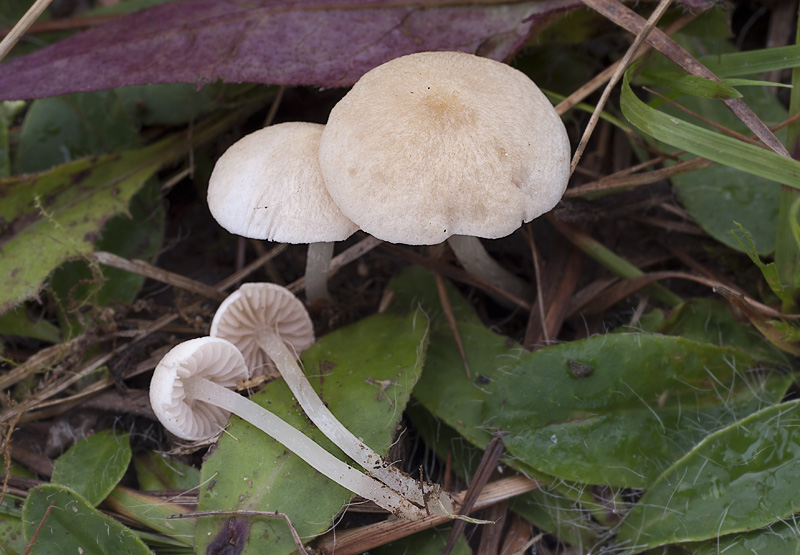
pixel 681 134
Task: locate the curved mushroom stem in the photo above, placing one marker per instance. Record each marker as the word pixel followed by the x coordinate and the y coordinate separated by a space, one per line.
pixel 473 257
pixel 300 444
pixel 318 260
pixel 375 465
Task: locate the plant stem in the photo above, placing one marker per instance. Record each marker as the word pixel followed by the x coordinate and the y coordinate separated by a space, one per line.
pixel 318 260
pixel 473 257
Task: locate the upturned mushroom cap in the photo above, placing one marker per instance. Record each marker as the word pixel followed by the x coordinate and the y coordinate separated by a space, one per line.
pixel 262 306
pixel 436 144
pixel 211 358
pixel 268 185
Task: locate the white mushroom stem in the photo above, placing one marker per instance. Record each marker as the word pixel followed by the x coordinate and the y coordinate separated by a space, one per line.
pixel 375 465
pixel 473 257
pixel 209 392
pixel 318 260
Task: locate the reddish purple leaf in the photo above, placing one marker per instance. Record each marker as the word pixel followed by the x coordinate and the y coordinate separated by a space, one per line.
pixel 282 42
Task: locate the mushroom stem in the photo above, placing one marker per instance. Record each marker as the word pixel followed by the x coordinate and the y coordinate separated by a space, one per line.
pixel 473 257
pixel 209 392
pixel 375 465
pixel 318 260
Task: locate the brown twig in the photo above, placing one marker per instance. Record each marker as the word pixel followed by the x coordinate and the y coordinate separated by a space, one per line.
pixel 358 540
pixel 491 456
pixel 451 320
pixel 35 535
pixel 626 60
pixel 629 20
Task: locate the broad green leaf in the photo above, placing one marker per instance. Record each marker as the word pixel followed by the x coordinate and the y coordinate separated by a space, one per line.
pixel 681 134
pixel 429 542
pixel 742 477
pixel 364 373
pixel 72 525
pixel 781 537
pixel 711 321
pixel 618 409
pixel 159 472
pixel 94 465
pixel 57 215
pixel 135 235
pixel 153 512
pixel 167 104
pixel 65 128
pixel 12 540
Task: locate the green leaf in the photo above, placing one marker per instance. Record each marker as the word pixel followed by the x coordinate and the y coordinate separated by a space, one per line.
pixel 66 128
pixel 50 217
pixel 159 472
pixel 737 479
pixel 364 373
pixel 711 321
pixel 72 525
pixel 618 409
pixel 724 150
pixel 429 542
pixel 18 322
pixel 12 539
pixel 781 537
pixel 135 235
pixel 153 512
pixel 769 271
pixel 693 85
pixel 94 465
pixel 718 195
pixel 168 104
pixel 753 61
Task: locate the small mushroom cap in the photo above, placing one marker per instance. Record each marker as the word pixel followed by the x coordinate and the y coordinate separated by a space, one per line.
pixel 258 307
pixel 268 185
pixel 436 144
pixel 211 358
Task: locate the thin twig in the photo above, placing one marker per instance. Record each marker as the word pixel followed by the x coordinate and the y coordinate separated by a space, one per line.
pixel 615 77
pixel 451 320
pixel 142 268
pixel 29 547
pixel 491 456
pixel 597 81
pixel 33 13
pixel 359 540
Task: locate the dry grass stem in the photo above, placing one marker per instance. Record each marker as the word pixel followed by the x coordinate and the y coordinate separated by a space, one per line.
pixel 626 60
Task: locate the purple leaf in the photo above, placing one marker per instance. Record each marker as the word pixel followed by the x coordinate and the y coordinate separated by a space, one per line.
pixel 281 42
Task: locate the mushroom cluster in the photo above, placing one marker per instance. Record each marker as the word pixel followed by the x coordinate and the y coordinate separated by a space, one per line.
pixel 426 148
pixel 259 326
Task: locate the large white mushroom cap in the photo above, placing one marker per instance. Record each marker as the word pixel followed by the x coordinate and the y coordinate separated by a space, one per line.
pixel 268 185
pixel 436 144
pixel 211 358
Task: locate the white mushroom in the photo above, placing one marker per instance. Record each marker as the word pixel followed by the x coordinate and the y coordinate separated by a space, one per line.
pixel 440 144
pixel 190 395
pixel 267 322
pixel 268 185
